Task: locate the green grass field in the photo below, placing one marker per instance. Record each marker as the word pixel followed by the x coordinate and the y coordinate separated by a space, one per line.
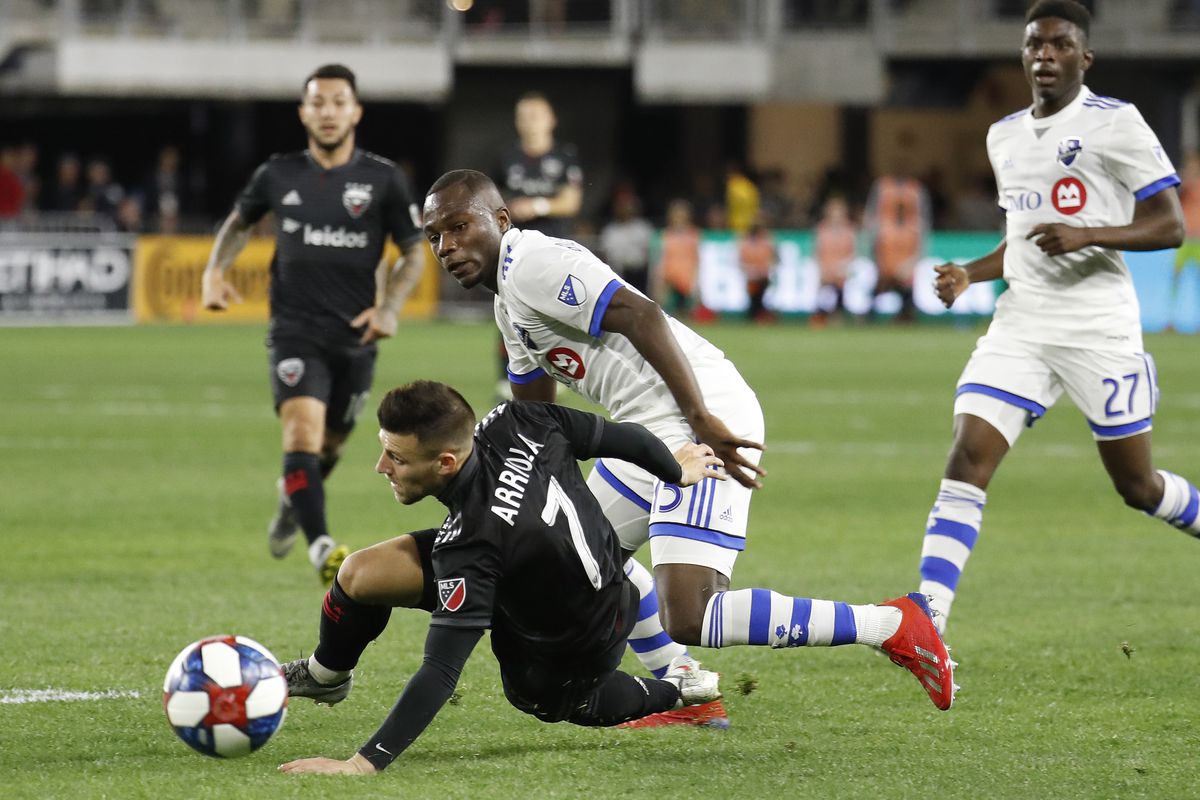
pixel 137 470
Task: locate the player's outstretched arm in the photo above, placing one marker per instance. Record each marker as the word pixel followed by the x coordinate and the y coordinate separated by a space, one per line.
pixel 446 652
pixel 644 324
pixel 1157 225
pixel 216 293
pixel 393 284
pixel 951 279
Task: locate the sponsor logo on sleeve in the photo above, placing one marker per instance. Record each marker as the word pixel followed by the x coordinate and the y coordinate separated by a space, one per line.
pixel 1069 149
pixel 357 198
pixel 452 592
pixel 1069 196
pixel 573 292
pixel 290 370
pixel 566 361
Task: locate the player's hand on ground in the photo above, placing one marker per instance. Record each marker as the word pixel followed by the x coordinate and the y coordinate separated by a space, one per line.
pixel 698 462
pixel 951 281
pixel 378 324
pixel 216 293
pixel 1055 238
pixel 725 445
pixel 355 765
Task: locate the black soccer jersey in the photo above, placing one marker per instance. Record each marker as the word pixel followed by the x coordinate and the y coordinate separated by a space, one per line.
pixel 521 175
pixel 525 547
pixel 330 230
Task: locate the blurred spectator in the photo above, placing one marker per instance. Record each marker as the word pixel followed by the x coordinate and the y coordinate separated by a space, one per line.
pixel 835 245
pixel 679 263
pixel 12 194
pixel 128 215
pixel 706 204
pixel 25 165
pixel 626 240
pixel 898 221
pixel 164 190
pixel 776 206
pixel 741 199
pixel 541 179
pixel 757 258
pixel 103 194
pixel 1189 198
pixel 66 193
pixel 977 208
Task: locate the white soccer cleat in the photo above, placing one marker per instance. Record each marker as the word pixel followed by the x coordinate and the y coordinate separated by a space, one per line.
pixel 696 685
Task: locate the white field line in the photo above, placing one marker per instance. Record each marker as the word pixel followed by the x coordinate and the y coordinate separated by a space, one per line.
pixel 22 696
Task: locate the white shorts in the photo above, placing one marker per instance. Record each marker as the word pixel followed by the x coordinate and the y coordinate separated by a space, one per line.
pixel 1011 383
pixel 704 524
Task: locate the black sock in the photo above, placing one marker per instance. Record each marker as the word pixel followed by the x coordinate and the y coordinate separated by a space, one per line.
pixel 623 697
pixel 305 489
pixel 347 627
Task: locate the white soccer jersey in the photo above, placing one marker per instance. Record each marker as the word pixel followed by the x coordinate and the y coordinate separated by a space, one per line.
pixel 1086 165
pixel 552 295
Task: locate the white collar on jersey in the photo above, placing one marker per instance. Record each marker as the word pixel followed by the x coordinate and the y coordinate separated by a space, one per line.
pixel 1072 108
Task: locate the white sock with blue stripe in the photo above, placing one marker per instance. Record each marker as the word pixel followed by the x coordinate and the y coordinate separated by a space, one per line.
pixel 760 616
pixel 1180 504
pixel 649 642
pixel 950 533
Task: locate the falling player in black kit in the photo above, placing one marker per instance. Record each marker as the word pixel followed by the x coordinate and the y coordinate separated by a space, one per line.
pixel 525 550
pixel 332 296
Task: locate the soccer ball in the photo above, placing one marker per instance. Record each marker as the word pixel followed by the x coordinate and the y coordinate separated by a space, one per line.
pixel 225 695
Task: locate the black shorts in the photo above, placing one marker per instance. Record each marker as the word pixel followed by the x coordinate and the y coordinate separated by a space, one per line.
pixel 553 688
pixel 338 375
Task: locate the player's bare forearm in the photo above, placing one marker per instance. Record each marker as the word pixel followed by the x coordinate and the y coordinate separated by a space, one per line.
pixel 1157 225
pixel 396 282
pixel 231 240
pixel 951 280
pixel 216 293
pixel 643 323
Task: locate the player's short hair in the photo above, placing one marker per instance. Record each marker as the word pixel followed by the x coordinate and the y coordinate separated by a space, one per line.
pixel 535 95
pixel 472 180
pixel 433 412
pixel 1070 10
pixel 332 72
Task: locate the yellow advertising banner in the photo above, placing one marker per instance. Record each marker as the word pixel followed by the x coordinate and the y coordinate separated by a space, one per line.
pixel 167 270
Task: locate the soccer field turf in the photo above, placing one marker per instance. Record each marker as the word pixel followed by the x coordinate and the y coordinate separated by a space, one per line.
pixel 137 470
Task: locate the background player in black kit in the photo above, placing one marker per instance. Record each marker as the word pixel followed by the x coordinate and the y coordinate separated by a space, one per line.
pixel 525 550
pixel 331 294
pixel 541 181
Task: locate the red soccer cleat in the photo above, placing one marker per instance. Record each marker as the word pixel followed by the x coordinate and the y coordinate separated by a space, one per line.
pixel 918 647
pixel 706 715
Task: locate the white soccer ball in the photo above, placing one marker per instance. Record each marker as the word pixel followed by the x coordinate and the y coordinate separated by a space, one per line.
pixel 225 695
